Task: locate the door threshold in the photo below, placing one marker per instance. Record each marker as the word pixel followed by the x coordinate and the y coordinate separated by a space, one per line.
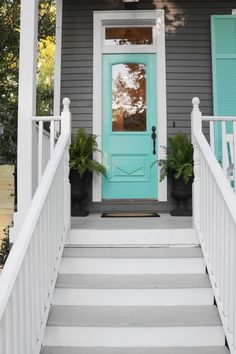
pixel 130 201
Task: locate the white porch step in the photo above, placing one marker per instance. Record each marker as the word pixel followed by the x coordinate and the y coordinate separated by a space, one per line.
pixel 133 290
pixel 160 260
pixel 174 350
pixel 147 281
pixel 103 236
pixel 137 297
pixel 98 326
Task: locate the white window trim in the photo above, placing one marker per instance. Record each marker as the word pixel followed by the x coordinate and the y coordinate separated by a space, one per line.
pixel 150 17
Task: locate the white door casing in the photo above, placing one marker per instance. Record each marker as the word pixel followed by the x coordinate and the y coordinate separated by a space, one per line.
pixel 155 18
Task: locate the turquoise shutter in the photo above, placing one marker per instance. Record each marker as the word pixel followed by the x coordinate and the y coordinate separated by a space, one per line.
pixel 223 38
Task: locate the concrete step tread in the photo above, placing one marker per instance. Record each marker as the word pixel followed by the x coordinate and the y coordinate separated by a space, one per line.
pixel 133 252
pixel 104 350
pixel 134 316
pixel 143 281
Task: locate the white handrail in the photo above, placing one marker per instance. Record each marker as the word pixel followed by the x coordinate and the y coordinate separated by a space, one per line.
pixel 214 218
pixel 28 278
pixel 219 118
pixel 46 118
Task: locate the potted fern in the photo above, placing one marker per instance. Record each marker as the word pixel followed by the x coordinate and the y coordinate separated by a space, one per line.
pixel 178 164
pixel 82 165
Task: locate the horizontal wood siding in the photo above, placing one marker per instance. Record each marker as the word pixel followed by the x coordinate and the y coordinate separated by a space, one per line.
pixel 188 56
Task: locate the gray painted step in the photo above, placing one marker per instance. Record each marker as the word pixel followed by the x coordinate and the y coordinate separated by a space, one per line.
pixel 144 252
pixel 176 350
pixel 147 281
pixel 135 316
pixel 95 222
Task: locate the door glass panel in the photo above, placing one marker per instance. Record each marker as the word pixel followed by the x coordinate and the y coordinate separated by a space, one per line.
pixel 129 97
pixel 128 36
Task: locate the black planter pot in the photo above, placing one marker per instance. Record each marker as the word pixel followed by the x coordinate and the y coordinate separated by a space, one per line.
pixel 181 192
pixel 79 192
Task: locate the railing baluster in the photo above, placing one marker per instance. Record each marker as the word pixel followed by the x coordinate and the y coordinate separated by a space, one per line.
pixel 9 323
pixel 16 322
pixel 234 153
pixel 207 216
pixel 224 147
pixel 21 314
pixel 52 136
pixel 226 275
pixel 27 303
pixel 213 213
pixel 217 241
pixel 222 250
pixel 4 337
pixel 212 140
pixel 40 151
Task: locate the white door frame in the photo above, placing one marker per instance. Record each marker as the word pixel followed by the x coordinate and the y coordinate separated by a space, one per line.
pixel 154 18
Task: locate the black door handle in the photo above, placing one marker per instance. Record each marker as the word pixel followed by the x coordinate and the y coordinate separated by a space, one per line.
pixel 154 136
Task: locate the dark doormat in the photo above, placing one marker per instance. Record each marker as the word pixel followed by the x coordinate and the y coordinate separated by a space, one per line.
pixel 128 214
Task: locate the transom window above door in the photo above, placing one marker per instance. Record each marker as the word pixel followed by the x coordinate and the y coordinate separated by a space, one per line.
pixel 116 36
pixel 133 37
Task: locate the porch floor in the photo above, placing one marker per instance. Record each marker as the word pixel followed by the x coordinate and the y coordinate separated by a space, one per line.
pixel 95 222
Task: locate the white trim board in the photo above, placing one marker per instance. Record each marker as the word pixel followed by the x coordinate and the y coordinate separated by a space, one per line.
pixel 151 17
pixel 57 66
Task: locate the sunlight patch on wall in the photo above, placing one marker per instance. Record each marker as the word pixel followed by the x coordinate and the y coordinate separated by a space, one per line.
pixel 175 17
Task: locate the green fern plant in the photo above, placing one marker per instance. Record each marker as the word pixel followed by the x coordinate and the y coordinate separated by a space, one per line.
pixel 81 154
pixel 179 158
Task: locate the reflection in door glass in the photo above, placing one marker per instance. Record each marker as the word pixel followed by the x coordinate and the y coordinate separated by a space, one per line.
pixel 129 97
pixel 128 36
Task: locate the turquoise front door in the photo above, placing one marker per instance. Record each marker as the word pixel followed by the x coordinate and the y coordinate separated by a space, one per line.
pixel 129 126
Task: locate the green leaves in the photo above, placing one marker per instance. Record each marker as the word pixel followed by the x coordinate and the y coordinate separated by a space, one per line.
pixel 179 158
pixel 81 154
pixel 45 76
pixel 9 65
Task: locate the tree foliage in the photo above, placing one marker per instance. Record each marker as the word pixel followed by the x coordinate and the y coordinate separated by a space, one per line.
pixel 9 66
pixel 9 47
pixel 45 76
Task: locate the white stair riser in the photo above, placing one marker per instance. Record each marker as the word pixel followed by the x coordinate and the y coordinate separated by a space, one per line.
pixel 134 337
pixel 134 237
pixel 131 265
pixel 133 297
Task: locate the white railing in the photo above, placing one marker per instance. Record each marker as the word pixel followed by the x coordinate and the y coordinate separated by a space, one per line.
pixel 45 154
pixel 28 278
pixel 228 144
pixel 214 218
pixel 44 143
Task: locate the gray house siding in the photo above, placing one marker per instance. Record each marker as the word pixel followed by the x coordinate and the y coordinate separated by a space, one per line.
pixel 188 63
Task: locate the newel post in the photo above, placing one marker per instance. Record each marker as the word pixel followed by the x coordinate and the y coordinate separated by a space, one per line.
pixel 196 126
pixel 66 130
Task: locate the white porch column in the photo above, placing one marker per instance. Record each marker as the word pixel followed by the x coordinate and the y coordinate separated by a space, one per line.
pixel 57 66
pixel 26 107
